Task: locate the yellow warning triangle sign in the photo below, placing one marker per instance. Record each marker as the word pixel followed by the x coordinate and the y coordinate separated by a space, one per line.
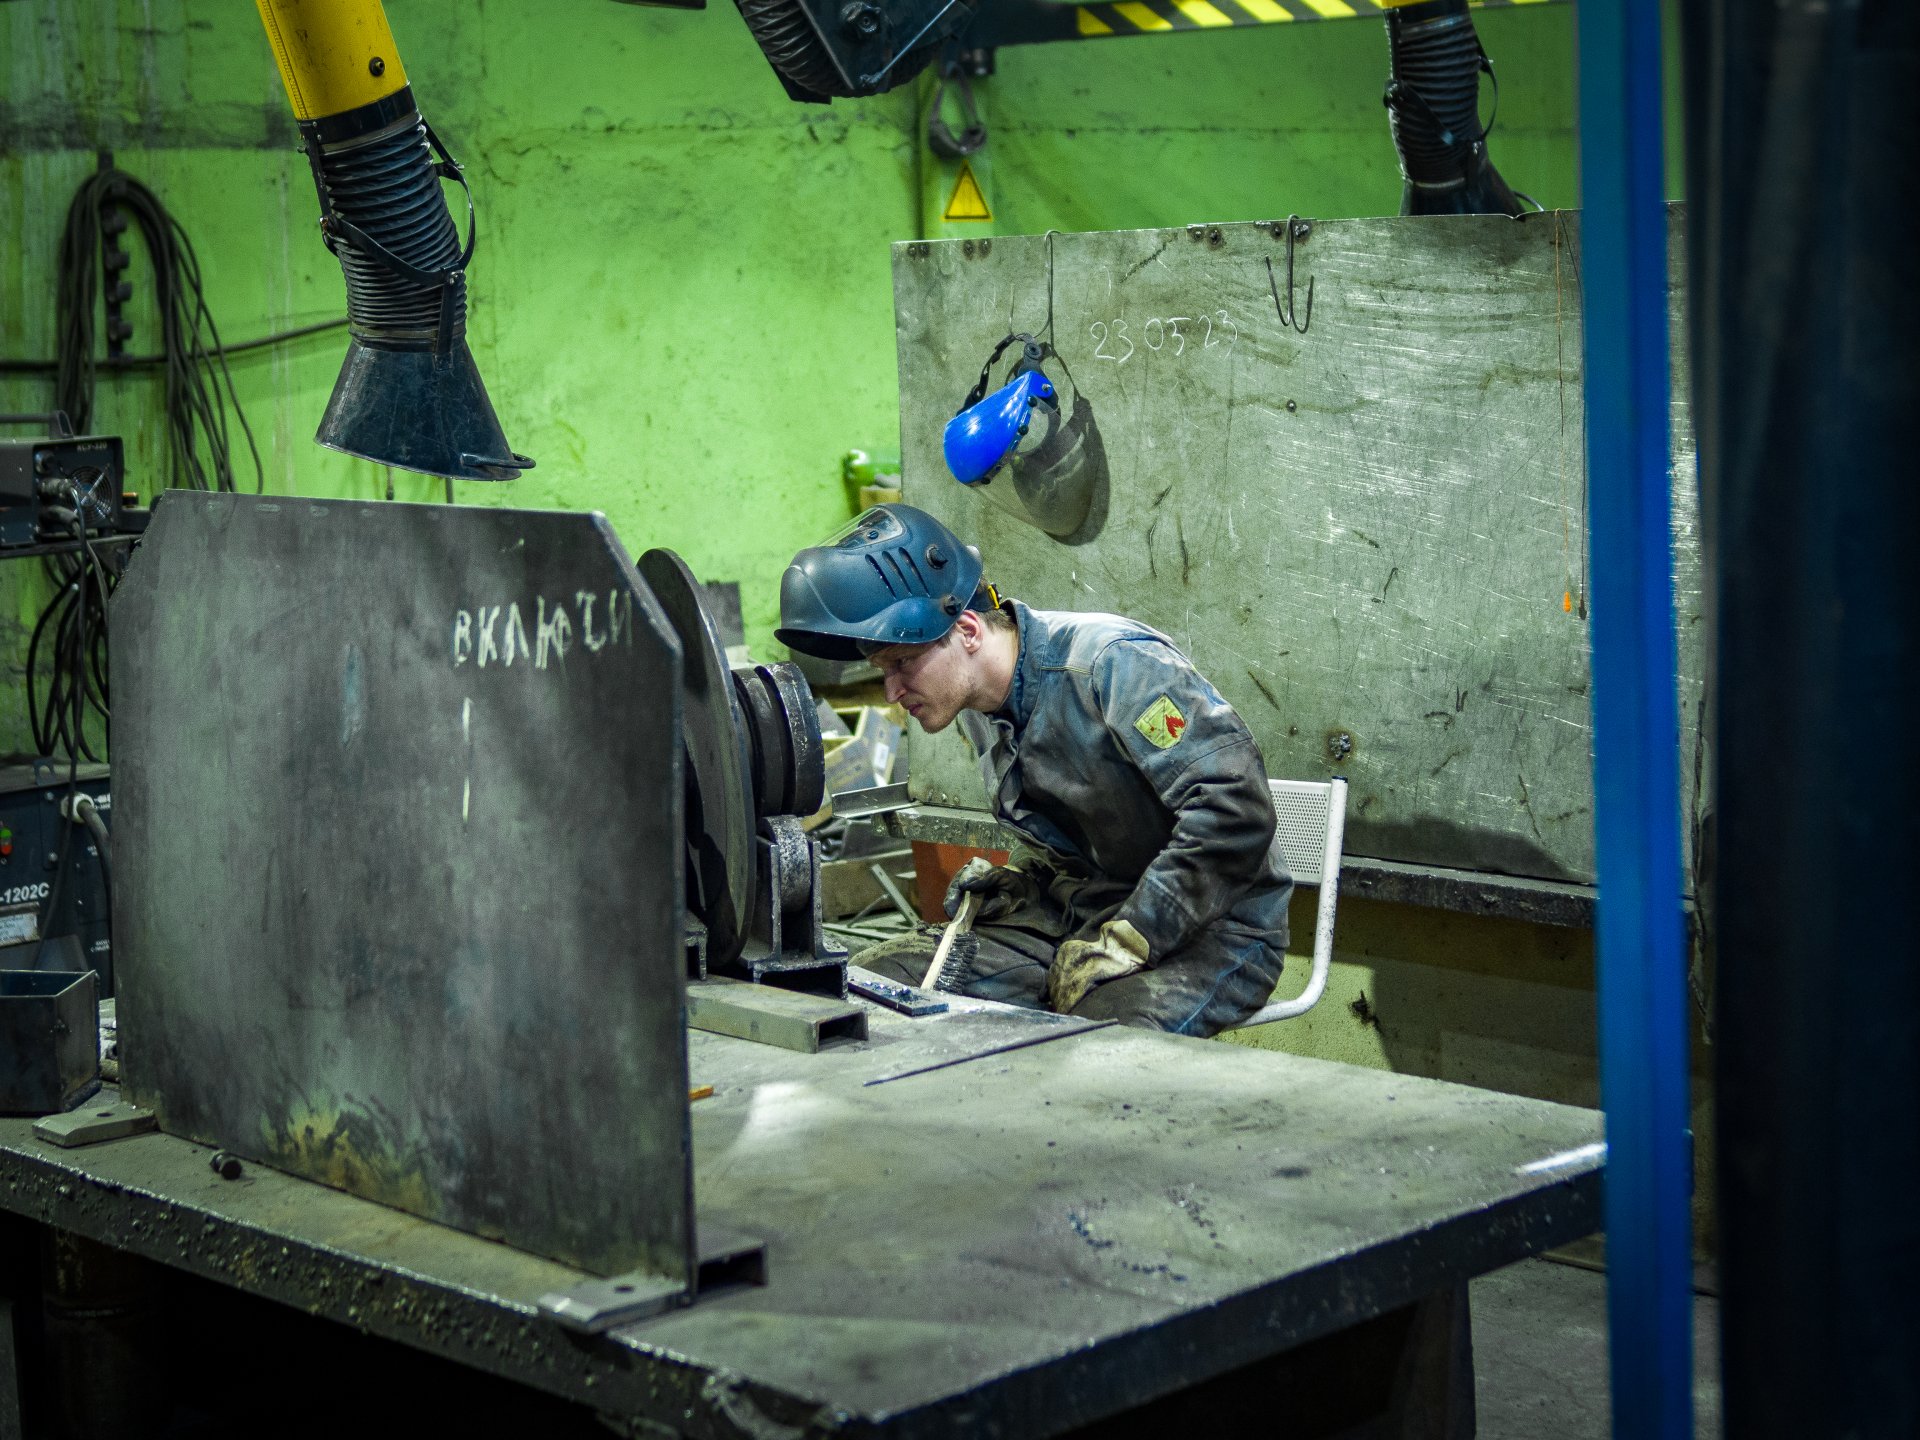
pixel 967 202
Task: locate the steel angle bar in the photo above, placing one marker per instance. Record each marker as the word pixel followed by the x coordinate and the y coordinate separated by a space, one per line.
pixel 894 893
pixel 874 800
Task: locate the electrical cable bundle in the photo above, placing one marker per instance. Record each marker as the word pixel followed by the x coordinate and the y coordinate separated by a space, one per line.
pixel 199 388
pixel 77 619
pixel 67 657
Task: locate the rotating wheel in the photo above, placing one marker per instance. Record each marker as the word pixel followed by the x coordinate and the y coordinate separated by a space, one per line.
pixel 752 743
pixel 721 820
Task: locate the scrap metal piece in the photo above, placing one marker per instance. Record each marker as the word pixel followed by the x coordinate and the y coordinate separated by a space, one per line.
pixel 91 1124
pixel 789 1019
pixel 598 1306
pixel 49 1040
pixel 890 993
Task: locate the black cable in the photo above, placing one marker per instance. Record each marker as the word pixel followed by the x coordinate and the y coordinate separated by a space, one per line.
pixel 68 812
pixel 198 385
pixel 148 362
pixel 102 844
pixel 67 652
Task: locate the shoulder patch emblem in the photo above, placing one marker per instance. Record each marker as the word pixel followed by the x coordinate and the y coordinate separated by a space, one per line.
pixel 1162 723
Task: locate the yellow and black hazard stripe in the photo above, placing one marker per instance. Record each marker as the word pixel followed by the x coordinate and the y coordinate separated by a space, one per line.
pixel 1144 17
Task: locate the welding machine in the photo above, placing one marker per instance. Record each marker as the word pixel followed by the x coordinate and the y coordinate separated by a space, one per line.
pixel 31 904
pixel 41 477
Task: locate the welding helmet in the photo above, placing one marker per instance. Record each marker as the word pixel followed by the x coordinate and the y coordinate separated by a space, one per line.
pixel 892 576
pixel 989 428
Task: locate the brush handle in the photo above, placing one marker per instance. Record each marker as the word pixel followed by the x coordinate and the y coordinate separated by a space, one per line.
pixel 956 927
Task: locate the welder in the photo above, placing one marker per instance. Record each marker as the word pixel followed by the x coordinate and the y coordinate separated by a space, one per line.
pixel 1146 887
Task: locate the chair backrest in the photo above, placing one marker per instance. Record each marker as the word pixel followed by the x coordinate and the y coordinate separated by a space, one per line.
pixel 1310 831
pixel 1302 808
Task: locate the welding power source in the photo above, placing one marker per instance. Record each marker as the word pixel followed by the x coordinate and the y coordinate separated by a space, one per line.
pixel 44 480
pixel 30 841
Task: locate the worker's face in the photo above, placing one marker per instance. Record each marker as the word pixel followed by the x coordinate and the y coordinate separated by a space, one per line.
pixel 932 683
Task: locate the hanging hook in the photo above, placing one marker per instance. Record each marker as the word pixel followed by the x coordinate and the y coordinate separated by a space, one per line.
pixel 940 137
pixel 1290 316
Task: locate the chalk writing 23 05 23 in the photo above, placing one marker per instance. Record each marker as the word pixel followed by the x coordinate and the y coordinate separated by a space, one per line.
pixel 498 634
pixel 1172 334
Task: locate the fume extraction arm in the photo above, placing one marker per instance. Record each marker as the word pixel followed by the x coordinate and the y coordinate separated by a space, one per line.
pixel 409 394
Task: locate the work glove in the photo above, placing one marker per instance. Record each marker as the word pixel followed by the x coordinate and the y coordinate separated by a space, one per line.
pixel 1002 889
pixel 1079 965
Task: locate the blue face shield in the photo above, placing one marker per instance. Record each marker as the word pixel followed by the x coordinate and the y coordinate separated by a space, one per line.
pixel 989 427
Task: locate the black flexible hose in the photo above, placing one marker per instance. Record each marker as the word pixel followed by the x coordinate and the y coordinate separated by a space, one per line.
pixel 1433 107
pixel 389 188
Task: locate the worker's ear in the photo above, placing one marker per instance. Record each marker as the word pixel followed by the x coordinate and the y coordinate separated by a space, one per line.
pixel 971 630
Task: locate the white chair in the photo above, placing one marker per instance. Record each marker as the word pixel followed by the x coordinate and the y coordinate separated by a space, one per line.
pixel 1312 817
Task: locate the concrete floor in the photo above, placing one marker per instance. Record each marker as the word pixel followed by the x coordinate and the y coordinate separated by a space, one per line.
pixel 1540 1355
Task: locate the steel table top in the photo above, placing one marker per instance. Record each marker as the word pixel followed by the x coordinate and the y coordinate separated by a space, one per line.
pixel 1015 1244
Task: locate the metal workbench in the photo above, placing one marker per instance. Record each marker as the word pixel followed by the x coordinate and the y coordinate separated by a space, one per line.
pixel 1016 1244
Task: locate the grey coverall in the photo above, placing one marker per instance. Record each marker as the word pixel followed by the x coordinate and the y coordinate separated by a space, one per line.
pixel 1138 794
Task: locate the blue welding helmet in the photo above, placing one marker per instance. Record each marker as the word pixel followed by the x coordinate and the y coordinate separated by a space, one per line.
pixel 892 576
pixel 989 428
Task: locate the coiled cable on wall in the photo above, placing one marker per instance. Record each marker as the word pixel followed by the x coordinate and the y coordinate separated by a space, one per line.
pixel 199 400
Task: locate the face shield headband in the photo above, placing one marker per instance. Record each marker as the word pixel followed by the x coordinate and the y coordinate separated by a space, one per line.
pixel 988 428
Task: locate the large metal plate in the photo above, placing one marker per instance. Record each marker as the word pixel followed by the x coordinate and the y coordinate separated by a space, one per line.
pixel 1371 536
pixel 398 890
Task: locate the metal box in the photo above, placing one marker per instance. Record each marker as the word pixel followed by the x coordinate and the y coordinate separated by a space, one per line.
pixel 49 1040
pixel 96 463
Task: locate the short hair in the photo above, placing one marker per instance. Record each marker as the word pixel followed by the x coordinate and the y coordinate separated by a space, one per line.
pixel 997 619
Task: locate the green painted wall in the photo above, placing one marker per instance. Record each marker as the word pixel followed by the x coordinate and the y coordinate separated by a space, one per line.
pixel 681 304
pixel 681 297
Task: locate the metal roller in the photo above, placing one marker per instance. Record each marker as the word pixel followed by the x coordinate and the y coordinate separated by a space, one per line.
pixel 789 757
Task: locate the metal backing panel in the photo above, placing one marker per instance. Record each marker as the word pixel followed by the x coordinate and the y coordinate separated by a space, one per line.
pixel 398 863
pixel 1370 536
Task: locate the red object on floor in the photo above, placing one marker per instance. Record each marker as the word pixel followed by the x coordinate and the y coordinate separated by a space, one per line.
pixel 934 867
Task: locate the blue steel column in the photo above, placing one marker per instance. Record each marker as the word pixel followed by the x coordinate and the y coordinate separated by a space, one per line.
pixel 1643 1021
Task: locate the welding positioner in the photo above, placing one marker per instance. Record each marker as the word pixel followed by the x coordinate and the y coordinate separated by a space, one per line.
pixel 756 766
